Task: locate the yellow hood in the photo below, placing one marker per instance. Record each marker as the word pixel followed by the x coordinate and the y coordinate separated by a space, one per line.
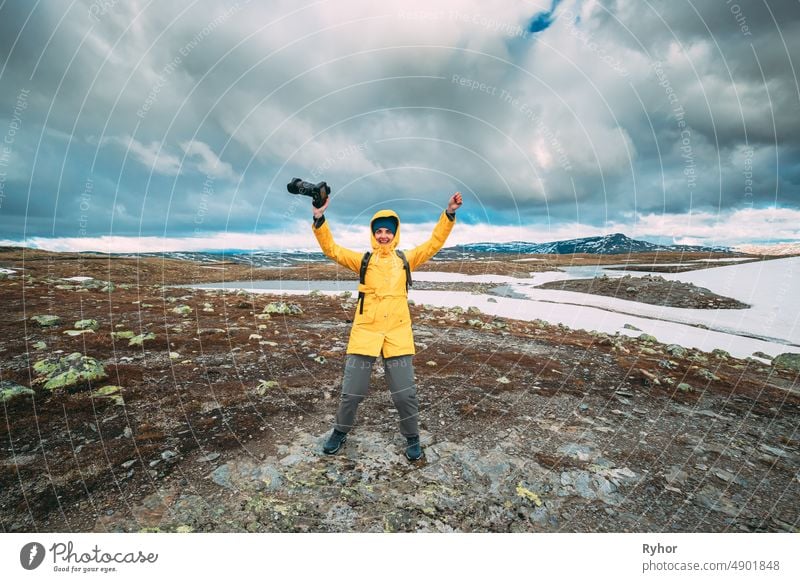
pixel 376 246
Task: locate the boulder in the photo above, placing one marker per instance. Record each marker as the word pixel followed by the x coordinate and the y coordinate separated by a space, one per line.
pixel 676 350
pixel 646 337
pixel 182 310
pixel 706 374
pixel 74 332
pixel 787 361
pixel 68 372
pixel 11 390
pixel 141 338
pixel 97 284
pixel 46 320
pixel 283 308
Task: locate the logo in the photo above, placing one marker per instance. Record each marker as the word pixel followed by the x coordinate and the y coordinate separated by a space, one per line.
pixel 31 555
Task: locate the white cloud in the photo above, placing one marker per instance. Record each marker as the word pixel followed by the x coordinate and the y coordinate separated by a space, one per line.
pixel 209 162
pixel 730 228
pixel 152 156
pixel 739 227
pixel 588 128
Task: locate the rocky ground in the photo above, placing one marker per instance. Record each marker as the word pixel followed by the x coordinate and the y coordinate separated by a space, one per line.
pixel 652 289
pixel 176 410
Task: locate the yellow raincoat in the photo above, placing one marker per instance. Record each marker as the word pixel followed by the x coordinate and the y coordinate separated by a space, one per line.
pixel 385 324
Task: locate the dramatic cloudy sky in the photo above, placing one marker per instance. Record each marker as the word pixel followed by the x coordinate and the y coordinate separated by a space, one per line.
pixel 176 125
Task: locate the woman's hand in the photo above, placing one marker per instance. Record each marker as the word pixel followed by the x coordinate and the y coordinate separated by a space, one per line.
pixel 318 212
pixel 455 203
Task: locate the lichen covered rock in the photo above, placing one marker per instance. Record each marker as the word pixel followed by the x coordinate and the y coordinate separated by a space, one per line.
pixel 787 361
pixel 11 390
pixel 46 320
pixel 68 372
pixel 283 308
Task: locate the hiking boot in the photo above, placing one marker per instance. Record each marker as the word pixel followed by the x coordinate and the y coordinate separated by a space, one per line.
pixel 334 442
pixel 413 448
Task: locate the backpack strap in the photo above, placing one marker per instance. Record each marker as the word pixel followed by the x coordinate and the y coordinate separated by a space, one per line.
pixel 362 273
pixel 406 266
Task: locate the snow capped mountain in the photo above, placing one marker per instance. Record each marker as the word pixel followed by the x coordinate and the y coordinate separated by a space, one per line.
pixel 611 244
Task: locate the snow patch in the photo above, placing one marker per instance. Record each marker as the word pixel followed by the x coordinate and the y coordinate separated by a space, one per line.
pixel 771 325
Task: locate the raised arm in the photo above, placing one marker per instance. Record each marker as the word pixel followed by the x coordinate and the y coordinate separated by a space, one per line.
pixel 345 257
pixel 441 231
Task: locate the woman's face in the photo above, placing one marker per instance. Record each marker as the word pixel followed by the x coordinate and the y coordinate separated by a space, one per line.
pixel 384 236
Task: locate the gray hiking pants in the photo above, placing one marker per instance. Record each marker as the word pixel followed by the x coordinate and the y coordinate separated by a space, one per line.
pixel 400 377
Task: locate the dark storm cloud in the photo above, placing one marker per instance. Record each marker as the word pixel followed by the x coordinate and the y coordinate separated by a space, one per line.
pixel 189 118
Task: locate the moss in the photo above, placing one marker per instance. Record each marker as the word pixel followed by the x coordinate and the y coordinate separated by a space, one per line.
pixel 182 310
pixel 76 332
pixel 526 493
pixel 10 391
pixel 45 367
pixel 69 371
pixel 141 338
pixel 46 320
pixel 106 391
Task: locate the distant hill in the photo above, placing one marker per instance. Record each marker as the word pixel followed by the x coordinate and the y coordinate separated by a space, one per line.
pixel 611 244
pixel 779 250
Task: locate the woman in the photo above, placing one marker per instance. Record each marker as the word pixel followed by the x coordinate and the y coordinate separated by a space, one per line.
pixel 382 323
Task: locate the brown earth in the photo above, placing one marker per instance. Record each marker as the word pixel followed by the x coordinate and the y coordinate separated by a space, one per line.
pixel 173 271
pixel 71 462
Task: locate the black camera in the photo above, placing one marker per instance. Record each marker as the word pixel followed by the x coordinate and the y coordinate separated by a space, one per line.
pixel 319 192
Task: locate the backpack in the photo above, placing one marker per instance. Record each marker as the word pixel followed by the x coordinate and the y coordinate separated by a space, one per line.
pixel 363 273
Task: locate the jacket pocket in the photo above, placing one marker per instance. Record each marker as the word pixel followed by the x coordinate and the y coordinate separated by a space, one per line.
pixel 365 312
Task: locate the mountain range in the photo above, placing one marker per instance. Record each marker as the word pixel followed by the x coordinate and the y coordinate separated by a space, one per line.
pixel 611 244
